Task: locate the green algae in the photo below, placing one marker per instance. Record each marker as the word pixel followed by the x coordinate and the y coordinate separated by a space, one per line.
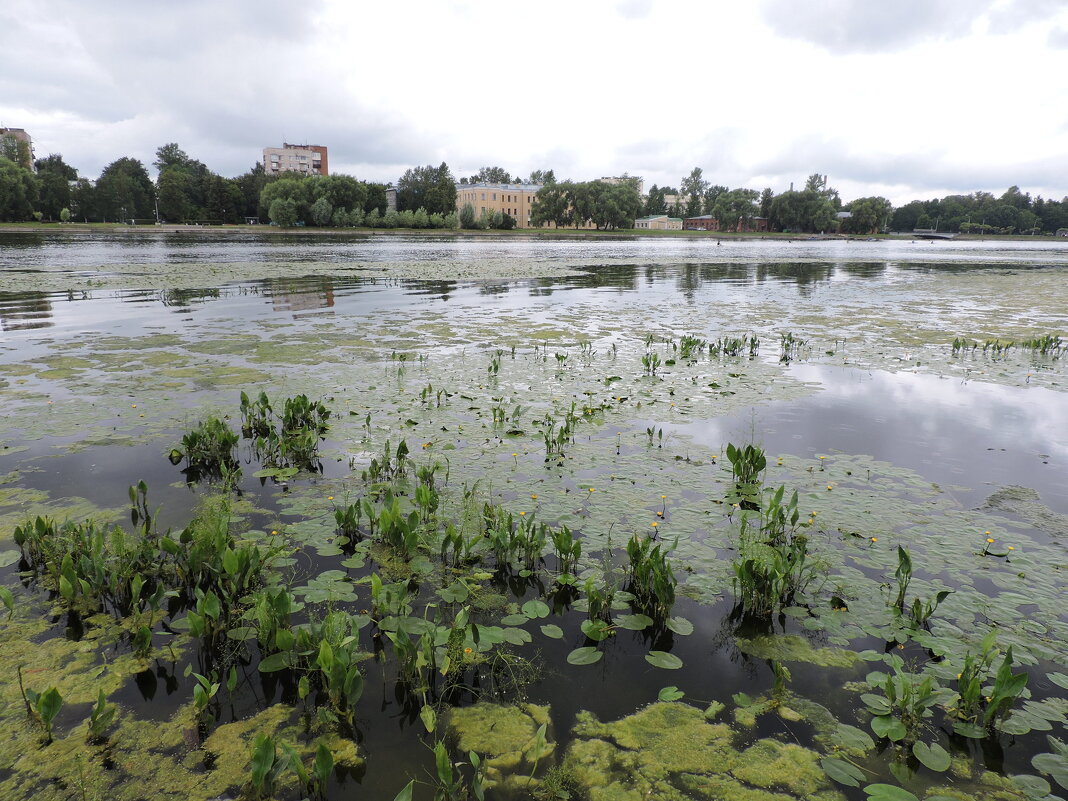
pixel 794 648
pixel 506 738
pixel 670 751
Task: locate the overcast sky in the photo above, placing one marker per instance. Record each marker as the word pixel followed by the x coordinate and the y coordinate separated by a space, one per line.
pixel 903 98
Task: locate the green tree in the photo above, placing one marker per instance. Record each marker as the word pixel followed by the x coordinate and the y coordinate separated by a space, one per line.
pixel 292 187
pixel 467 216
pixel 542 177
pixel 321 212
pixel 735 209
pixel 869 215
pixel 766 196
pixel 612 205
pixel 341 191
pixel 492 175
pixel 693 188
pixel 18 192
pixel 55 177
pixel 173 193
pixel 553 204
pixel 654 201
pixel 376 198
pixel 433 188
pixel 283 212
pixel 125 188
pixel 711 195
pixel 83 200
pixel 805 211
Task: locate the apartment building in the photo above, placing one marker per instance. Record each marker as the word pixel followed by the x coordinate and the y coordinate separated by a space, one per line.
pixel 17 145
pixel 514 199
pixel 304 159
pixel 658 222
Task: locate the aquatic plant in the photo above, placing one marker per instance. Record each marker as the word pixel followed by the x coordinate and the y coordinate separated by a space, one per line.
pixel 567 548
pixel 789 346
pixel 651 578
pixel 691 347
pixel 908 700
pixel 208 449
pixel 651 363
pixel 747 465
pixel 100 717
pixel 266 766
pixel 43 707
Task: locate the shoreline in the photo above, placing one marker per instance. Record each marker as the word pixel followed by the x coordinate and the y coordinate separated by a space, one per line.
pixel 535 233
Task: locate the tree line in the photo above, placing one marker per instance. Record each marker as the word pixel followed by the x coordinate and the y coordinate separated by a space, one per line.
pixel 185 190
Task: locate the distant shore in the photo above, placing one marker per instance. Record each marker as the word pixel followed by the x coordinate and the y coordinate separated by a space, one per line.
pixel 549 233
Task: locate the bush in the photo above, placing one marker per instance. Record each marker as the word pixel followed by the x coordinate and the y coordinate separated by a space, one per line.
pixel 283 212
pixel 467 217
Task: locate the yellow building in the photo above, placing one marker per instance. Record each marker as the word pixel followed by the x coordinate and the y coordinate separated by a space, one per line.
pixel 659 222
pixel 514 199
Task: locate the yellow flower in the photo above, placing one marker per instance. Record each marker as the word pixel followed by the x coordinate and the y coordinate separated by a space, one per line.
pixel 592 489
pixel 663 496
pixel 330 497
pixel 830 486
pixel 811 514
pixel 522 514
pixel 534 497
pixel 874 539
pixel 989 539
pixel 655 524
pixel 467 650
pixel 273 533
pixel 823 457
pixel 515 454
pixel 1012 548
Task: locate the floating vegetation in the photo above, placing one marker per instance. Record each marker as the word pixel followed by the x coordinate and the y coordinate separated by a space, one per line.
pixel 426 572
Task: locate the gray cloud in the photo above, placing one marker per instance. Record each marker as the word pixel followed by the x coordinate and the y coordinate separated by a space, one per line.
pixel 850 26
pixel 1058 38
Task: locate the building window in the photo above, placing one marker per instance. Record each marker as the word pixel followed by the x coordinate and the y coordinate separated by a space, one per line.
pixel 483 197
pixel 494 195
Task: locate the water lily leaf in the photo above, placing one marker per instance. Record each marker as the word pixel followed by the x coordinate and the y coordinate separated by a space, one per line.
pixel 671 693
pixel 536 608
pixel 354 562
pixel 552 630
pixel 742 699
pixel 1032 786
pixel 662 659
pixel 842 772
pixel 848 736
pixel 1060 679
pixel 490 635
pixel 888 792
pixel 456 592
pixel 634 622
pixel 596 630
pixel 933 756
pixel 586 655
pixel 276 472
pixel 971 730
pixel 680 626
pixel 516 636
pixel 8 558
pixel 514 620
pixel 1053 765
pixel 1018 723
pixel 888 726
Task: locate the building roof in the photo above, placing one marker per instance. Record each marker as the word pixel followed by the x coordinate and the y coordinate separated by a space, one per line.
pixel 506 187
pixel 703 217
pixel 655 217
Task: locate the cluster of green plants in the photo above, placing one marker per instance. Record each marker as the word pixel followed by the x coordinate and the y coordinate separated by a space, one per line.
pixel 790 346
pixel 651 578
pixel 734 346
pixel 558 434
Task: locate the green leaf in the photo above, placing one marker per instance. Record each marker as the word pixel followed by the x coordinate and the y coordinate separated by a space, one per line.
pixel 586 655
pixel 7 599
pixel 596 630
pixel 842 772
pixel 662 659
pixel 274 663
pixel 634 622
pixel 517 636
pixel 48 704
pixel 514 620
pixel 406 793
pixel 536 608
pixel 888 792
pixel 1032 786
pixel 671 693
pixel 848 736
pixel 1060 679
pixel 680 625
pixel 457 592
pixel 552 630
pixel 1053 765
pixel 888 726
pixel 971 730
pixel 242 633
pixel 429 718
pixel 933 756
pixel 8 558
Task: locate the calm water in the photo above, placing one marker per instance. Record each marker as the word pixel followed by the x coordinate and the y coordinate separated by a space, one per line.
pixel 872 385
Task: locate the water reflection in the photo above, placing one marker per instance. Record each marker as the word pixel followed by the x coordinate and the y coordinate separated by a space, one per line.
pixel 25 310
pixel 948 430
pixel 300 294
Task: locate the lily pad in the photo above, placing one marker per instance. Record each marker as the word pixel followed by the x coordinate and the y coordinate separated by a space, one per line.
pixel 671 693
pixel 680 626
pixel 553 631
pixel 536 608
pixel 662 659
pixel 933 756
pixel 888 792
pixel 842 772
pixel 586 655
pixel 634 622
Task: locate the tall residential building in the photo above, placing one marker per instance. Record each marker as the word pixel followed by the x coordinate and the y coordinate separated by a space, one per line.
pixel 514 199
pixel 17 145
pixel 305 159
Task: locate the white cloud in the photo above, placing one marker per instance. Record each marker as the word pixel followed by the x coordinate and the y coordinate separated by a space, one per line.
pixel 908 99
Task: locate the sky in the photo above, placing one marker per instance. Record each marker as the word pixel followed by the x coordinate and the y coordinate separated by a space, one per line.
pixel 910 99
